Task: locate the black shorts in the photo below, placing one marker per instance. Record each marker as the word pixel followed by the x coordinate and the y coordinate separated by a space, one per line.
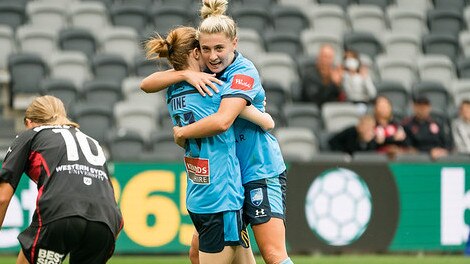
pixel 86 241
pixel 219 230
pixel 264 199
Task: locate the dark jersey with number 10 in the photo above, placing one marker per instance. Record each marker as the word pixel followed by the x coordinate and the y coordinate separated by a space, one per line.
pixel 70 171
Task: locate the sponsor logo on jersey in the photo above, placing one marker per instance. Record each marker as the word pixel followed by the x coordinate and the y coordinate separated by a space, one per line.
pixel 49 257
pixel 242 82
pixel 256 196
pixel 87 181
pixel 198 170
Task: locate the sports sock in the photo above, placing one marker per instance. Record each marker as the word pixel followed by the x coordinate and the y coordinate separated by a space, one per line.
pixel 287 261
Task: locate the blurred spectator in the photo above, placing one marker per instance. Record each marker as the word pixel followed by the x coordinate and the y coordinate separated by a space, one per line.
pixel 356 138
pixel 461 128
pixel 327 78
pixel 389 134
pixel 423 133
pixel 357 83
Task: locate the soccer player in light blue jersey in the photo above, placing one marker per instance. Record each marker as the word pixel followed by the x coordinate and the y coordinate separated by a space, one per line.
pixel 215 193
pixel 262 166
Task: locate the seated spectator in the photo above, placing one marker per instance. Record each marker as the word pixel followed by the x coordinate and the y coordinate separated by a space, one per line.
pixel 356 138
pixel 389 134
pixel 461 128
pixel 357 83
pixel 327 78
pixel 423 133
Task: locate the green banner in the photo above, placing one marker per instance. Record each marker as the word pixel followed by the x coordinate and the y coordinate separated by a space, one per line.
pixel 434 200
pixel 431 204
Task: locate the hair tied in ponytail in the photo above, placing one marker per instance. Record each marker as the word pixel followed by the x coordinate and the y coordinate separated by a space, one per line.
pixel 170 47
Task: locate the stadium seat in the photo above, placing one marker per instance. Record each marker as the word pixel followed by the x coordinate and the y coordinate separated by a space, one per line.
pixel 72 65
pixel 145 67
pixel 109 67
pixel 298 3
pixel 328 18
pixel 341 3
pixel 402 45
pixel 312 40
pixel 64 89
pixel 281 68
pixel 27 70
pixel 382 4
pixel 164 121
pixel 283 42
pixel 12 13
pixel 458 5
pixel 107 3
pixel 102 91
pixel 91 15
pixel 407 20
pixel 163 148
pixel 363 42
pixel 166 17
pixel 306 115
pixel 443 44
pixel 367 18
pixel 176 2
pixel 260 3
pixel 7 46
pixel 132 93
pixel 47 14
pixel 445 21
pixel 398 95
pixel 257 18
pixel 420 5
pixel 402 70
pixel 436 68
pixel 250 42
pixel 297 144
pixel 39 40
pixel 339 115
pixel 7 134
pixel 440 96
pixel 288 19
pixel 129 14
pixel 464 42
pixel 461 90
pixel 121 41
pixel 125 145
pixel 276 95
pixel 78 39
pixel 277 114
pixel 140 117
pixel 463 68
pixel 95 119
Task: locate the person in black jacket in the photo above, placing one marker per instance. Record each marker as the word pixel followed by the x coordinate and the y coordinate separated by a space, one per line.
pixel 425 134
pixel 356 138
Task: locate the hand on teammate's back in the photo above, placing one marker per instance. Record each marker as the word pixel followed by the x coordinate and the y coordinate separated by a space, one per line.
pixel 179 140
pixel 203 82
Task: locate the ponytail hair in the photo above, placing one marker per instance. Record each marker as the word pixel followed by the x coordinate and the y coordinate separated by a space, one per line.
pixel 48 110
pixel 215 21
pixel 176 46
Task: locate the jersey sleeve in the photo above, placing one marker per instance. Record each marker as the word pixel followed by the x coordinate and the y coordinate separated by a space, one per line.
pixel 242 83
pixel 16 159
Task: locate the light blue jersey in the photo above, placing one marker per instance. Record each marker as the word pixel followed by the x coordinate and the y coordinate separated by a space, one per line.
pixel 214 180
pixel 258 151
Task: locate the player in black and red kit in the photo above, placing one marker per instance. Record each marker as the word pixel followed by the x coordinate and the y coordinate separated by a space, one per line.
pixel 76 211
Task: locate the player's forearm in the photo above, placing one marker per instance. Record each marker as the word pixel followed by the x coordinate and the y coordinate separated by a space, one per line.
pixel 6 192
pixel 158 81
pixel 254 115
pixel 206 127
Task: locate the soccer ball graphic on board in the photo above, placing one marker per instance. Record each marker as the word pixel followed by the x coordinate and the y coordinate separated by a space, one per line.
pixel 338 206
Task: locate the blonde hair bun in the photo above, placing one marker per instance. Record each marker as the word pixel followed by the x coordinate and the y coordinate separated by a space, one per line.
pixel 213 8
